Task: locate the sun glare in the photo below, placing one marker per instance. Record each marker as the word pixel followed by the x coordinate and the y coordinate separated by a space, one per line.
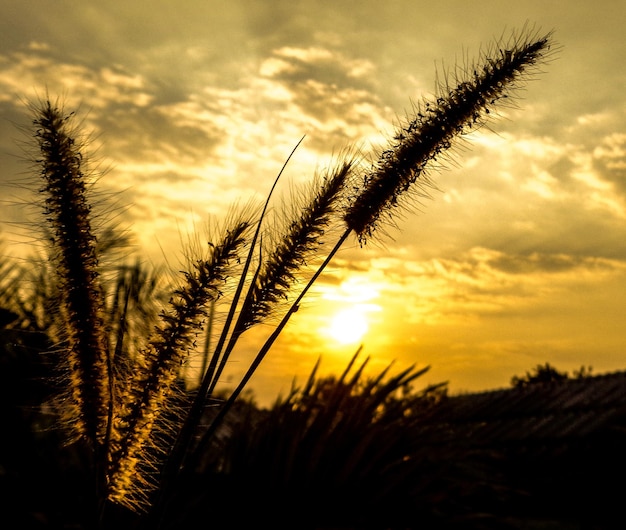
pixel 348 326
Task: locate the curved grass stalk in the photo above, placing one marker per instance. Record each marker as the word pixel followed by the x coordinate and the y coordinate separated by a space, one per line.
pixel 209 376
pixel 278 276
pixel 278 272
pixel 270 282
pixel 192 419
pixel 402 167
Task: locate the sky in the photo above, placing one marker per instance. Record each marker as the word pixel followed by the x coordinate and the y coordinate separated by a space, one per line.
pixel 518 258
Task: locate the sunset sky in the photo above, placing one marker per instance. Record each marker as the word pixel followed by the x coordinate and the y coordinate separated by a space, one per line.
pixel 518 259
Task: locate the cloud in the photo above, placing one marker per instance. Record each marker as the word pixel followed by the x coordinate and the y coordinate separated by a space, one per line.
pixel 26 74
pixel 334 92
pixel 609 160
pixel 482 282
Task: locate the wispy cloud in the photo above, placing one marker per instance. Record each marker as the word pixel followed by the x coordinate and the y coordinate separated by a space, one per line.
pixel 26 74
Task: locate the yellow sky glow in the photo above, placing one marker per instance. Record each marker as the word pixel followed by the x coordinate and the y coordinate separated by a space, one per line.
pixel 516 259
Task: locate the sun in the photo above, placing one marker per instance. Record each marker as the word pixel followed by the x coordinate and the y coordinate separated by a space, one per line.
pixel 348 326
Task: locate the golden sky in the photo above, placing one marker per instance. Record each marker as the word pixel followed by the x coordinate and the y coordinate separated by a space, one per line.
pixel 518 259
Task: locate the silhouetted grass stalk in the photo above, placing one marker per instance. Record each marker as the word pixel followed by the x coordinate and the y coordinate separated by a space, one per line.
pixel 192 419
pixel 152 383
pixel 269 286
pixel 288 256
pixel 74 255
pixel 302 239
pixel 402 167
pixel 208 376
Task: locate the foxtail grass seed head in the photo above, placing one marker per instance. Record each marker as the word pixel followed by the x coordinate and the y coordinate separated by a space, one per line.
pixel 402 167
pixel 277 273
pixel 73 244
pixel 303 238
pixel 153 385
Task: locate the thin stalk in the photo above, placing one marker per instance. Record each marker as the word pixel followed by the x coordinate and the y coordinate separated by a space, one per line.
pixel 270 282
pixel 209 375
pixel 277 275
pixel 263 352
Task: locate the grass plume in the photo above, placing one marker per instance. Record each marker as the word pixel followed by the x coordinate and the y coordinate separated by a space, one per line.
pixel 152 383
pixel 68 211
pixel 73 244
pixel 402 167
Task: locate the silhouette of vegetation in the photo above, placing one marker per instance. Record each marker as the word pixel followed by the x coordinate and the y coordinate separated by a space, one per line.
pixel 546 374
pixel 323 450
pixel 139 437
